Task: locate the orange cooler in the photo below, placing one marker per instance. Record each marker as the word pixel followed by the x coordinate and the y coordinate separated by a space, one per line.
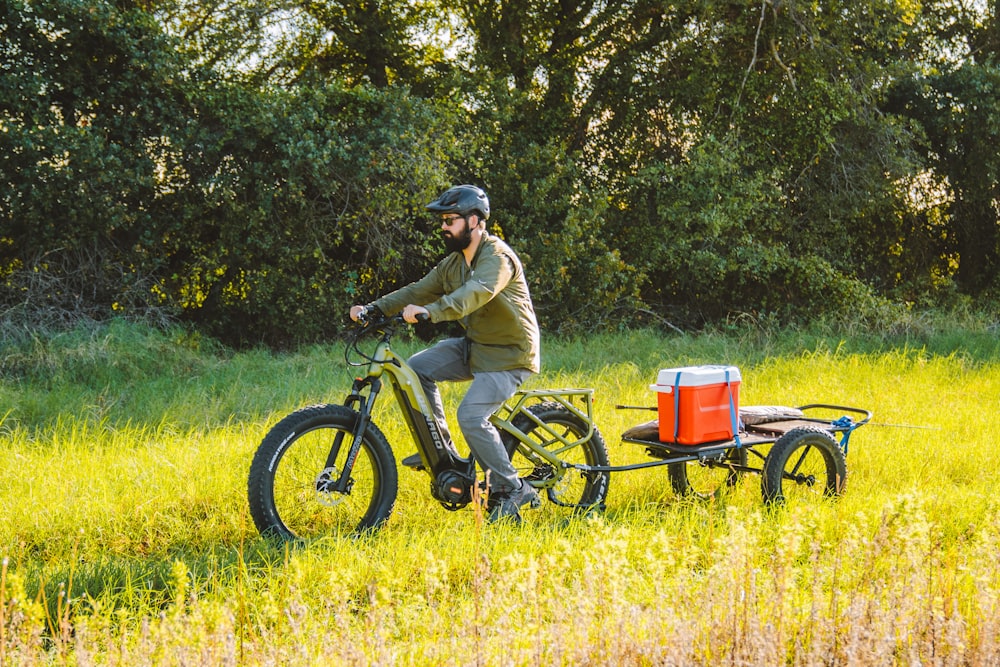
pixel 697 404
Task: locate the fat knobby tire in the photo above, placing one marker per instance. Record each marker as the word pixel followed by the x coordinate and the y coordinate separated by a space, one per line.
pixel 596 485
pixel 786 449
pixel 282 438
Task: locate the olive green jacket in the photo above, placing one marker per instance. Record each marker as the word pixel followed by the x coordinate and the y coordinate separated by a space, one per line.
pixel 490 299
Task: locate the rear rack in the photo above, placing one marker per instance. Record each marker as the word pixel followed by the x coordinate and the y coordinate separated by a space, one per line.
pixel 523 399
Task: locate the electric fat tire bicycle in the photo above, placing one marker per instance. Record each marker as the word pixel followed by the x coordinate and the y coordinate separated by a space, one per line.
pixel 329 469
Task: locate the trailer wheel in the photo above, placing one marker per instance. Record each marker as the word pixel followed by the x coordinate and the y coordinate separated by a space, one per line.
pixel 805 462
pixel 710 477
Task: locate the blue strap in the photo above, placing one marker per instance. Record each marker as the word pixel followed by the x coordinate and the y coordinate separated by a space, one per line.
pixel 732 412
pixel 843 422
pixel 846 424
pixel 677 406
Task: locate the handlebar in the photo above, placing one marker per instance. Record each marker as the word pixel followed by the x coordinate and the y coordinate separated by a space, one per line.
pixel 365 317
pixel 373 323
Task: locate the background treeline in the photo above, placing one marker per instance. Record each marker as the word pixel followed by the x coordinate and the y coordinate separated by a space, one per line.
pixel 255 166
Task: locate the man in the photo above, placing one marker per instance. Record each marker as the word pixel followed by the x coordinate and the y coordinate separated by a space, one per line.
pixel 480 284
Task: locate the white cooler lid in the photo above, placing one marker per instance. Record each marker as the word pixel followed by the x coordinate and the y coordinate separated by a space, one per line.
pixel 693 376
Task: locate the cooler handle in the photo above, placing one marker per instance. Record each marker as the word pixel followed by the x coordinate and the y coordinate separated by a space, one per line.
pixel 732 412
pixel 677 406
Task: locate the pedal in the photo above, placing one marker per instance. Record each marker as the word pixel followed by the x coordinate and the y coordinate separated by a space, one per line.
pixel 541 473
pixel 414 461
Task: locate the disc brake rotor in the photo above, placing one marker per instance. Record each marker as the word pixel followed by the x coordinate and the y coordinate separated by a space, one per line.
pixel 325 493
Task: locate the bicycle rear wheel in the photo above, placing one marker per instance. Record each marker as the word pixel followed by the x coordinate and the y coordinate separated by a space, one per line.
pixel 564 486
pixel 292 477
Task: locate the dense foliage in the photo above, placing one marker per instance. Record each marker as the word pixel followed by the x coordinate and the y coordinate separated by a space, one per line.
pixel 256 167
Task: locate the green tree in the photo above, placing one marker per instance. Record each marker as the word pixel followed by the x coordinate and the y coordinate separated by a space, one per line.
pixel 136 176
pixel 544 77
pixel 791 92
pixel 960 113
pixel 955 101
pixel 90 100
pixel 379 43
pixel 233 38
pixel 305 203
pixel 610 98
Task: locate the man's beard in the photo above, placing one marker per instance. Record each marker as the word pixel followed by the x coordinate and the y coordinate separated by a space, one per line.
pixel 460 242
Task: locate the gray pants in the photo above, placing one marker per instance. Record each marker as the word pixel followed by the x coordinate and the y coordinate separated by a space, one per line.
pixel 446 361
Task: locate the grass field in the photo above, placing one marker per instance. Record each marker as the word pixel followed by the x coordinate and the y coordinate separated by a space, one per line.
pixel 126 539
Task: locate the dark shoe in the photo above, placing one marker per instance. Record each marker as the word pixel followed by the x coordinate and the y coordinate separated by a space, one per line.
pixel 413 461
pixel 506 505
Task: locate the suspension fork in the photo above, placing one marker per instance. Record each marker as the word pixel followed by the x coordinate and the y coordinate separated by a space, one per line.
pixel 364 410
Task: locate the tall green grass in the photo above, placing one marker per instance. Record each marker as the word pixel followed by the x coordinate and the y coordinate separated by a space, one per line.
pixel 126 539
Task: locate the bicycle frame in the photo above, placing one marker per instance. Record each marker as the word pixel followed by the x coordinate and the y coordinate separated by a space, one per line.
pixel 413 403
pixel 437 457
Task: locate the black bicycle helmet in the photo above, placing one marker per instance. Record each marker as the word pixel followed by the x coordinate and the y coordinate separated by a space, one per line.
pixel 463 200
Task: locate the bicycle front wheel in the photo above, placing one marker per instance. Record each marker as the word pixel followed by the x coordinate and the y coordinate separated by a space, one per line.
pixel 293 478
pixel 564 486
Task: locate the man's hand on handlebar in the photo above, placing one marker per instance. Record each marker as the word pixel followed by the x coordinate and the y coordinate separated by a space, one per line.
pixel 365 315
pixel 413 314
